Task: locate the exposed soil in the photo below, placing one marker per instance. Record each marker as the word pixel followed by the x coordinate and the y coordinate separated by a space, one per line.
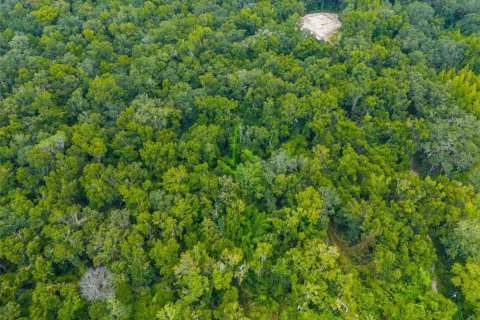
pixel 322 25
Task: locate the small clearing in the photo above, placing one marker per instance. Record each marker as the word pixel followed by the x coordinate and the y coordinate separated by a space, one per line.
pixel 322 25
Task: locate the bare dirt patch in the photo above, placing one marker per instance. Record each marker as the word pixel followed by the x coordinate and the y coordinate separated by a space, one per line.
pixel 321 25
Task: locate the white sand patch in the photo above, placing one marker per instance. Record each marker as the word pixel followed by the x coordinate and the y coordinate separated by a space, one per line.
pixel 321 25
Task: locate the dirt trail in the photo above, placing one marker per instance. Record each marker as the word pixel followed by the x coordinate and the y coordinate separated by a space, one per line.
pixel 414 165
pixel 434 280
pixel 322 25
pixel 434 286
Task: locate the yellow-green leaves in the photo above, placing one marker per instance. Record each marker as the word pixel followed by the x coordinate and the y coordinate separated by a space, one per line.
pixel 46 14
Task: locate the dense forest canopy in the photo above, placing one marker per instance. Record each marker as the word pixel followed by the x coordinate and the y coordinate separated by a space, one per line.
pixel 206 159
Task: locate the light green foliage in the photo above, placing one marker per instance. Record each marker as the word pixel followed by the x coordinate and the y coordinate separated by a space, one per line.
pixel 467 278
pixel 221 164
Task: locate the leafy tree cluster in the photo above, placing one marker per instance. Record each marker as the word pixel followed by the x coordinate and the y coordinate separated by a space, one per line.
pixel 203 159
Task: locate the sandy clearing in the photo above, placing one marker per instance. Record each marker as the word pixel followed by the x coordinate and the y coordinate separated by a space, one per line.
pixel 322 25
